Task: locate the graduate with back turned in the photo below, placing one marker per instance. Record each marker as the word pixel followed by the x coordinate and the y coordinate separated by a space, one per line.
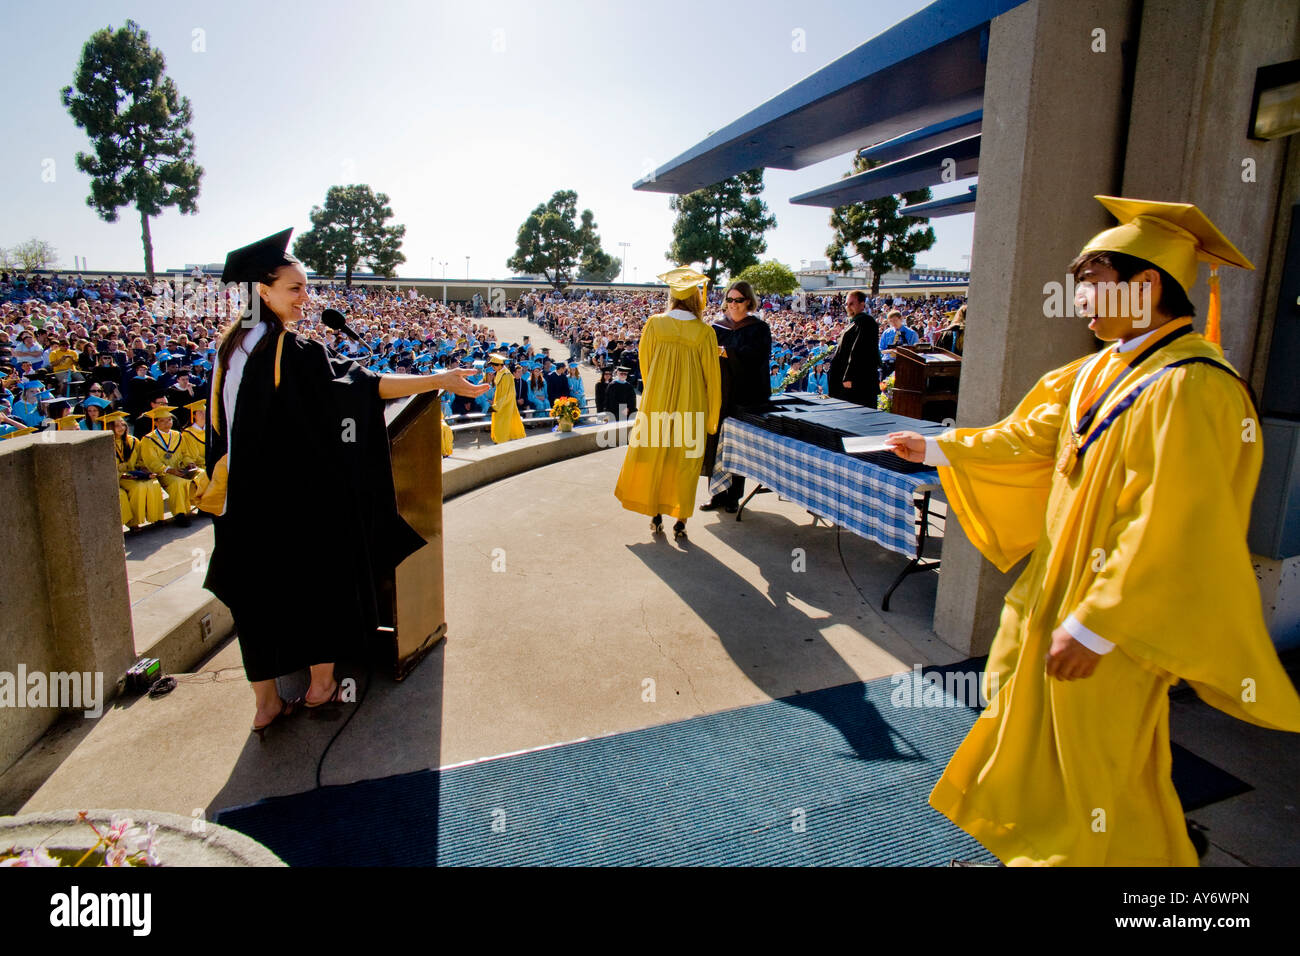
pixel 1127 476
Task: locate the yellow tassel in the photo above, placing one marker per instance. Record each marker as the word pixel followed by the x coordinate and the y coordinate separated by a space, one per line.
pixel 1212 318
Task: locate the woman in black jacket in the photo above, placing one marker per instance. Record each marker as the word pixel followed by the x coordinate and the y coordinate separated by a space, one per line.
pixel 745 352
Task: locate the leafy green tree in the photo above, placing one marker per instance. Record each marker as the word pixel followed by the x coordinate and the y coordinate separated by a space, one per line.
pixel 349 231
pixel 553 243
pixel 770 276
pixel 31 256
pixel 879 235
pixel 721 227
pixel 139 127
pixel 597 265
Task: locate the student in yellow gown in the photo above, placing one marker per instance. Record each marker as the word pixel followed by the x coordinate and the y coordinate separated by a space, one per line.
pixel 160 452
pixel 679 407
pixel 141 499
pixel 1135 518
pixel 448 436
pixel 506 423
pixel 194 446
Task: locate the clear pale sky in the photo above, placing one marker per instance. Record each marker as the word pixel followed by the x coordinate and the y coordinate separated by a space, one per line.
pixel 467 115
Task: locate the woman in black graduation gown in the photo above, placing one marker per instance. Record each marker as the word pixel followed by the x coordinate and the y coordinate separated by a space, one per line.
pixel 745 347
pixel 310 523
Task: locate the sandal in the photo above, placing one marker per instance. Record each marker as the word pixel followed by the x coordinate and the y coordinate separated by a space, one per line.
pixel 335 697
pixel 679 530
pixel 657 524
pixel 287 707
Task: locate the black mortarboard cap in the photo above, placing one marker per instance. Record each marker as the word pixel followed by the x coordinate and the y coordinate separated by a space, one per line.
pixel 251 263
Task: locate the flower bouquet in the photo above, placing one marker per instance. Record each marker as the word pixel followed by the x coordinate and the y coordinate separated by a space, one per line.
pixel 885 402
pixel 566 412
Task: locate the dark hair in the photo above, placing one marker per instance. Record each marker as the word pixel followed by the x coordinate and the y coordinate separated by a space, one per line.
pixel 1173 298
pixel 745 289
pixel 857 295
pixel 235 332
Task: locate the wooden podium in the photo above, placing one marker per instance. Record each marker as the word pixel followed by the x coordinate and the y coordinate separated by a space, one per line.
pixel 412 613
pixel 925 382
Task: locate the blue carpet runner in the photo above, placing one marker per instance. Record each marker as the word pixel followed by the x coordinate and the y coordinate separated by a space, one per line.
pixel 836 777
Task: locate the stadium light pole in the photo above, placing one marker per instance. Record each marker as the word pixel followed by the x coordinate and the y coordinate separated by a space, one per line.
pixel 625 245
pixel 467 268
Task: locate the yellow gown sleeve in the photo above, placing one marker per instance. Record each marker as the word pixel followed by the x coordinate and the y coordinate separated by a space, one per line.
pixel 504 395
pixel 712 377
pixel 150 456
pixel 1177 589
pixel 998 478
pixel 645 348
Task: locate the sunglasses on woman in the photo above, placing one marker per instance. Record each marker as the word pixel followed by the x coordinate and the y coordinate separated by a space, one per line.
pixel 736 301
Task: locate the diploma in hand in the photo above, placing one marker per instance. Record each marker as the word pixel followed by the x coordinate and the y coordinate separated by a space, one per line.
pixel 866 446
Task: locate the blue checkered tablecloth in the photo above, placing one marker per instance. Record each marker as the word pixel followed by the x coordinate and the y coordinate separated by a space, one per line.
pixel 868 500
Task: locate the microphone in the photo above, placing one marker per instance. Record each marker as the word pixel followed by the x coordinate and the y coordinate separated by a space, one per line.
pixel 334 319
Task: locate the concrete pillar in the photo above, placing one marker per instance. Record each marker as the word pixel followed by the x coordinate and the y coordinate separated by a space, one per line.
pixel 1187 141
pixel 63 581
pixel 1055 113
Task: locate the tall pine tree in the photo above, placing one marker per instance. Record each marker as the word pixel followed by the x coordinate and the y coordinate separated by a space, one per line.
pixel 139 127
pixel 349 231
pixel 721 227
pixel 877 233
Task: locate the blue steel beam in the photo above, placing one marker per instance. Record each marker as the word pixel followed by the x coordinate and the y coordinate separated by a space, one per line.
pixel 915 172
pixel 940 134
pixel 948 206
pixel 925 70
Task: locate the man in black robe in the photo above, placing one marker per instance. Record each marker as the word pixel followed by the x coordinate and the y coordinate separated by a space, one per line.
pixel 855 367
pixel 140 392
pixel 620 395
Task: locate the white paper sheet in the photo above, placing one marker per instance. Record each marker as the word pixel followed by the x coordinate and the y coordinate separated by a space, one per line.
pixel 862 446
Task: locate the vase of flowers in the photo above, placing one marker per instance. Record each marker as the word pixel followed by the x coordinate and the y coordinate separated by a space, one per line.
pixel 566 413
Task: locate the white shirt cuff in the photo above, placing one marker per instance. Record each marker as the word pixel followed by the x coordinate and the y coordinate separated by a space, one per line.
pixel 1089 639
pixel 934 454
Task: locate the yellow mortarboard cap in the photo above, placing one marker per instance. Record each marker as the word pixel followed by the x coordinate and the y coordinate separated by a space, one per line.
pixel 162 411
pixel 113 416
pixel 199 406
pixel 684 279
pixel 1175 236
pixel 497 359
pixel 67 422
pixel 16 433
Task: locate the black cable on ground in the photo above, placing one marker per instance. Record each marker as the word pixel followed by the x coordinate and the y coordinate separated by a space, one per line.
pixel 844 564
pixel 370 676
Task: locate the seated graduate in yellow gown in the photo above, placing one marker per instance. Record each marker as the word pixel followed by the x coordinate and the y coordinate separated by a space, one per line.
pixel 679 406
pixel 1128 477
pixel 160 452
pixel 141 498
pixel 194 447
pixel 506 423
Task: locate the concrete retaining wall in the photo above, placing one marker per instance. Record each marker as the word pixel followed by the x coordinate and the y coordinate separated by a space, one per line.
pixel 64 604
